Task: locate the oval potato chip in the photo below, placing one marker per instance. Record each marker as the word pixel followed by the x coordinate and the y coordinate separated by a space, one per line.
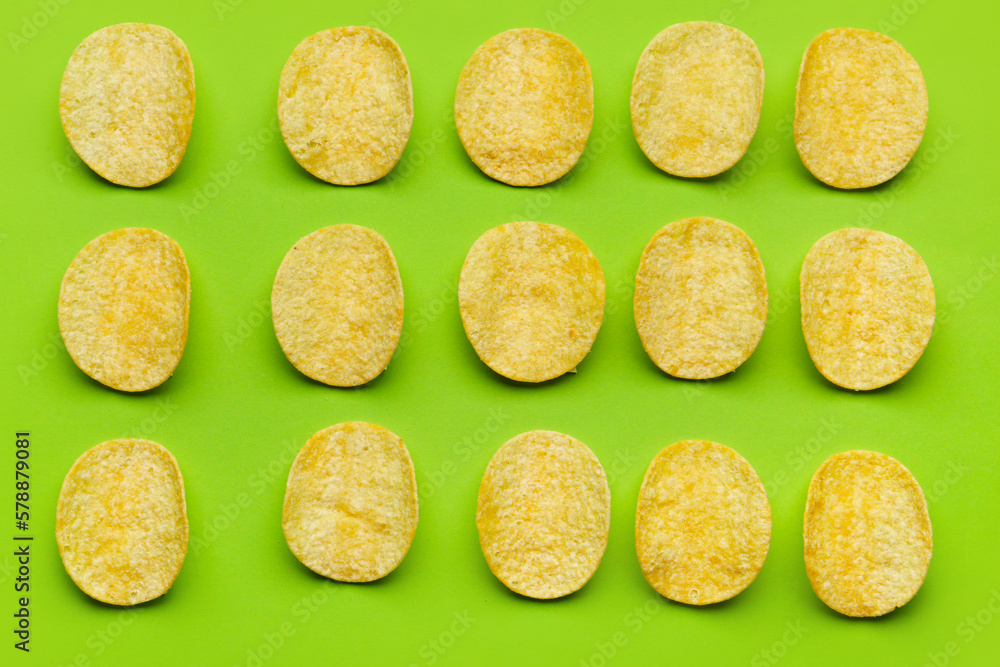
pixel 524 106
pixel 860 108
pixel 127 102
pixel 700 298
pixel 702 523
pixel 543 514
pixel 345 104
pixel 868 307
pixel 350 509
pixel 123 308
pixel 121 521
pixel 867 534
pixel 337 305
pixel 696 98
pixel 531 297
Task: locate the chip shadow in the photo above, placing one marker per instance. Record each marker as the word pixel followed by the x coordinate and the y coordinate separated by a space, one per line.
pixel 731 178
pixel 148 604
pixel 489 375
pixel 899 614
pixel 303 570
pixel 500 589
pixel 904 383
pixel 277 358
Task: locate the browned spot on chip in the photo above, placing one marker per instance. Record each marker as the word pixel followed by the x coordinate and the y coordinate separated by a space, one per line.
pixel 867 534
pixel 337 305
pixel 123 308
pixel 696 98
pixel 702 524
pixel 345 104
pixel 524 106
pixel 860 108
pixel 867 307
pixel 121 521
pixel 350 508
pixel 531 297
pixel 700 298
pixel 543 514
pixel 127 102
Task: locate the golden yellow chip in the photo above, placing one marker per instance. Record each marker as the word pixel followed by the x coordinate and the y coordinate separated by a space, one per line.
pixel 531 297
pixel 696 98
pixel 860 108
pixel 121 521
pixel 351 503
pixel 867 533
pixel 867 307
pixel 123 308
pixel 524 106
pixel 700 298
pixel 127 102
pixel 702 523
pixel 345 104
pixel 543 514
pixel 337 305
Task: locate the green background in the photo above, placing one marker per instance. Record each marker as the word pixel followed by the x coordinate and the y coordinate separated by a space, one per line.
pixel 236 411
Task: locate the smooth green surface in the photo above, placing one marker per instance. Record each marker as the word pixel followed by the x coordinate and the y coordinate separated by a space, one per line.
pixel 236 411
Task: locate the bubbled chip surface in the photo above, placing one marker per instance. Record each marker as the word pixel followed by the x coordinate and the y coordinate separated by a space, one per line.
pixel 700 300
pixel 696 98
pixel 345 104
pixel 868 307
pixel 337 305
pixel 121 521
pixel 123 308
pixel 543 514
pixel 350 509
pixel 127 102
pixel 860 108
pixel 531 296
pixel 702 523
pixel 868 540
pixel 524 106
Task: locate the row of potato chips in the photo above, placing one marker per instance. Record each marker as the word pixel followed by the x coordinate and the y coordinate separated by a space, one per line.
pixel 531 297
pixel 524 104
pixel 702 521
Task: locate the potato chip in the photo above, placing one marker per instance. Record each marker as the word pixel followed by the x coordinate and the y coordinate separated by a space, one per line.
pixel 867 307
pixel 702 523
pixel 345 104
pixel 123 308
pixel 531 297
pixel 121 521
pixel 127 102
pixel 524 106
pixel 696 98
pixel 337 305
pixel 860 108
pixel 867 534
pixel 350 509
pixel 700 298
pixel 543 514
